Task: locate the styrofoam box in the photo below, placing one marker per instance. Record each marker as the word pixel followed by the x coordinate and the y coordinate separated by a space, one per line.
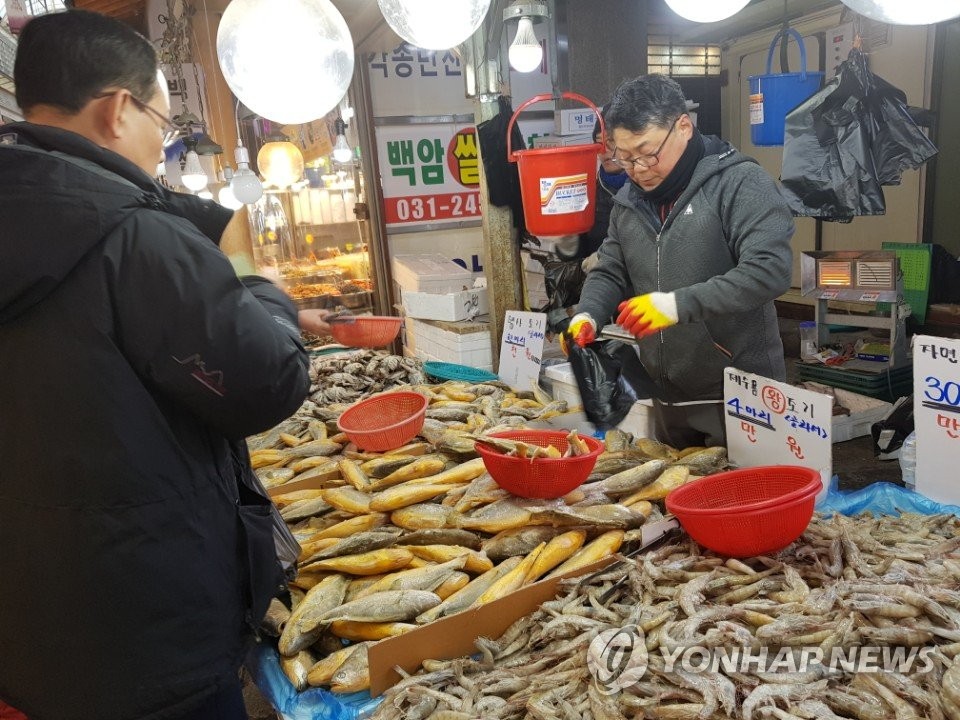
pixel 436 343
pixel 536 282
pixel 576 121
pixel 638 422
pixel 530 264
pixel 446 306
pixel 430 273
pixel 864 412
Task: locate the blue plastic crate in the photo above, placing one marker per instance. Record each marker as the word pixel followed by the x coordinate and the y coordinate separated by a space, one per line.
pixel 452 371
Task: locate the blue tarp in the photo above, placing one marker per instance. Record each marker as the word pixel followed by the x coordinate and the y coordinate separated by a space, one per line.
pixel 882 498
pixel 312 704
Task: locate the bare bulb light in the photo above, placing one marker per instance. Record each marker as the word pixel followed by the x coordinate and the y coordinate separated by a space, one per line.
pixel 525 51
pixel 341 149
pixel 245 185
pixel 193 177
pixel 707 12
pixel 280 163
pixel 434 25
pixel 906 12
pixel 259 41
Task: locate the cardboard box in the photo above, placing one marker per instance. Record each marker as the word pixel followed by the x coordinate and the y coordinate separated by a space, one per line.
pixel 430 273
pixel 577 121
pixel 452 637
pixel 448 306
pixel 547 141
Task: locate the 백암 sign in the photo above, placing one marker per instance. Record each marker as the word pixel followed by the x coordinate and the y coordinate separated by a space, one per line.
pixel 521 349
pixel 772 423
pixel 936 416
pixel 429 173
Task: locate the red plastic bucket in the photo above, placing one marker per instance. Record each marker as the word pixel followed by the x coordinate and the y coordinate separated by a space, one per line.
pixel 559 184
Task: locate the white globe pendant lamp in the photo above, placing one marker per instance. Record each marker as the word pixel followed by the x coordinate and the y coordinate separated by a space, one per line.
pixel 260 45
pixel 434 24
pixel 706 11
pixel 906 12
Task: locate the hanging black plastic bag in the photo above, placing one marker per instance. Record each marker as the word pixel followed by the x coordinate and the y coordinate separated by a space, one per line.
pixel 503 177
pixel 897 143
pixel 564 281
pixel 828 167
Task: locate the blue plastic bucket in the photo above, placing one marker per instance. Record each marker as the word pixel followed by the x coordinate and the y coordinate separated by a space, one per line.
pixel 773 95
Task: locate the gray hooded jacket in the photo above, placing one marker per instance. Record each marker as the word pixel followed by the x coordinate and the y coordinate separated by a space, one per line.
pixel 724 251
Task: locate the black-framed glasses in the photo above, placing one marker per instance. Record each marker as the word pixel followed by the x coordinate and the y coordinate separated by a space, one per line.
pixel 645 161
pixel 168 129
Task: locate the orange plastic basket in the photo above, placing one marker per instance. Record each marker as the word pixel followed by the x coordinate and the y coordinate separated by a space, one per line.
pixel 385 421
pixel 747 512
pixel 366 331
pixel 541 477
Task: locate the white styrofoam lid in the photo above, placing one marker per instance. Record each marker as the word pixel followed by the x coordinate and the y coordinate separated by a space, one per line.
pixel 432 265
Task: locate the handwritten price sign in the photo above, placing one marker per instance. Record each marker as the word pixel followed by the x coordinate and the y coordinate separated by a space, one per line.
pixel 772 423
pixel 521 350
pixel 936 416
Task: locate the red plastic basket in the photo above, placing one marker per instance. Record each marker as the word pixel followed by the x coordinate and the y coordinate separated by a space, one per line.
pixel 541 477
pixel 747 512
pixel 385 421
pixel 366 331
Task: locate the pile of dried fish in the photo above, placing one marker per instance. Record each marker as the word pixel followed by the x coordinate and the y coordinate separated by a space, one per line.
pixel 426 521
pixel 846 584
pixel 347 379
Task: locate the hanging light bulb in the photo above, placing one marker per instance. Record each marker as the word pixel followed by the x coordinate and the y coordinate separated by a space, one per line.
pixel 433 25
pixel 707 12
pixel 205 194
pixel 226 197
pixel 341 149
pixel 280 163
pixel 193 177
pixel 245 185
pixel 525 52
pixel 906 12
pixel 258 41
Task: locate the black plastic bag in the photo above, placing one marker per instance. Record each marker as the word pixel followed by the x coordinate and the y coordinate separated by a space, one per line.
pixel 503 177
pixel 846 141
pixel 611 379
pixel 828 169
pixel 564 280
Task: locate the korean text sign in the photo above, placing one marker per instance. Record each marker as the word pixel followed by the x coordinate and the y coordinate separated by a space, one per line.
pixel 429 172
pixel 521 349
pixel 773 423
pixel 936 416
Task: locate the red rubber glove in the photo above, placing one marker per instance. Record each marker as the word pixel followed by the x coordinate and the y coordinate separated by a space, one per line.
pixel 582 329
pixel 648 314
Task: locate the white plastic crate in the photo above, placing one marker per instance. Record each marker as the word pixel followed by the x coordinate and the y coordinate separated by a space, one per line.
pixel 864 412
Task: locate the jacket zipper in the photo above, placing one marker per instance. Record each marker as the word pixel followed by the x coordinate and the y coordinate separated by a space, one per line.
pixel 660 334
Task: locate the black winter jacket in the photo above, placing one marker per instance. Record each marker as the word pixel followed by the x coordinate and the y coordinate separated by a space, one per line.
pixel 136 548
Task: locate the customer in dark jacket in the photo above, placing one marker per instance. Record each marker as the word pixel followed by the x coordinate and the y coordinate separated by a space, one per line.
pixel 136 546
pixel 698 249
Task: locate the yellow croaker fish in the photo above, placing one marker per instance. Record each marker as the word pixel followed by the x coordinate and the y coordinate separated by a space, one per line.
pixel 494 518
pixel 369 563
pixel 305 623
pixel 512 580
pixel 389 606
pixel 321 673
pixel 556 551
pixel 629 481
pixel 476 562
pixel 421 467
pixel 404 495
pixel 297 667
pixel 670 479
pixel 599 548
pixel 464 598
pixel 348 499
pixel 423 516
pixel 352 630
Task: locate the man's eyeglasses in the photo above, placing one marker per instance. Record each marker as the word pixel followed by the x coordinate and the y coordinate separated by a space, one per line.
pixel 168 130
pixel 644 161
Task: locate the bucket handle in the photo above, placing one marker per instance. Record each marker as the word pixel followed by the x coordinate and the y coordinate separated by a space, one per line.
pixel 803 51
pixel 543 97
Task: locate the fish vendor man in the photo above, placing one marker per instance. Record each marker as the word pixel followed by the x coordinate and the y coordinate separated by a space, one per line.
pixel 697 251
